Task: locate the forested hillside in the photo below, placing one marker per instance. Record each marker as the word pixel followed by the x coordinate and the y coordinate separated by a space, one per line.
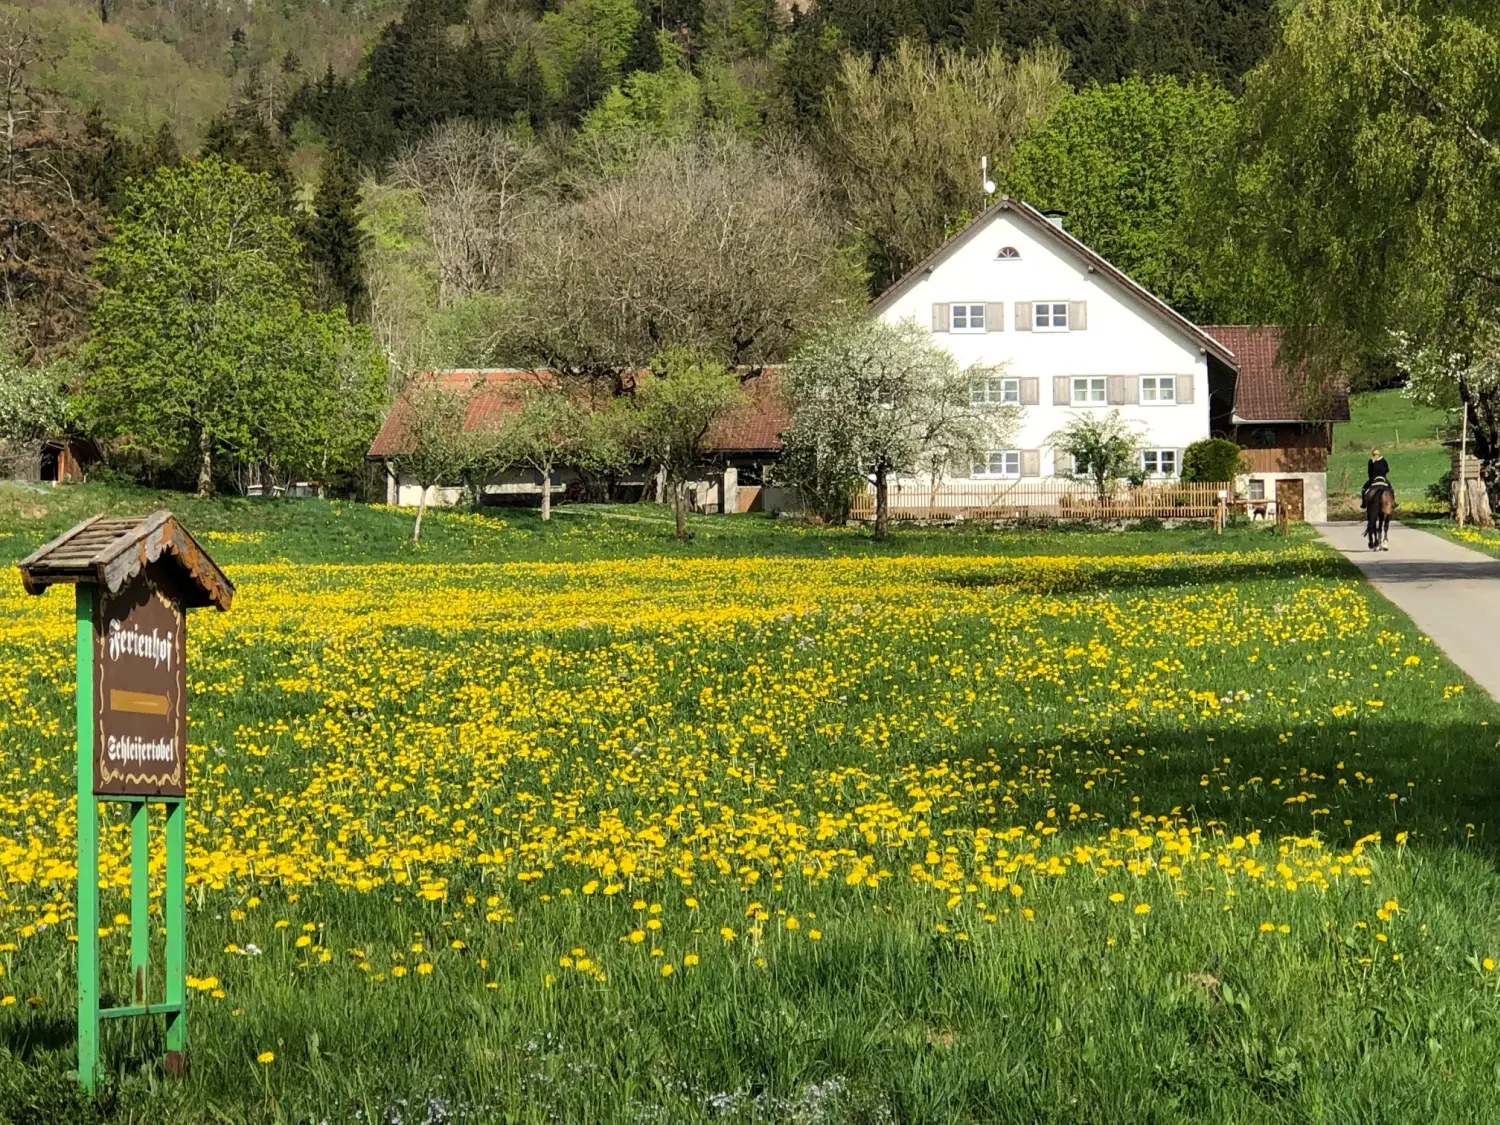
pixel 588 184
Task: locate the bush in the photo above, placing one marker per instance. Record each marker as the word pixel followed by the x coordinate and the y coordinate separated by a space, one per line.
pixel 1214 461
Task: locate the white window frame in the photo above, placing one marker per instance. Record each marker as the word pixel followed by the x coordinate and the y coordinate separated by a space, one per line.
pixel 969 309
pixel 1095 388
pixel 998 464
pixel 1158 390
pixel 1159 457
pixel 995 391
pixel 1044 316
pixel 1256 483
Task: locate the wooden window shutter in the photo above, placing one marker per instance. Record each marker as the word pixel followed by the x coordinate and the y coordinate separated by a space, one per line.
pixel 1023 316
pixel 1031 390
pixel 1060 395
pixel 1078 316
pixel 1031 462
pixel 1185 388
pixel 994 316
pixel 1062 462
pixel 940 318
pixel 1124 390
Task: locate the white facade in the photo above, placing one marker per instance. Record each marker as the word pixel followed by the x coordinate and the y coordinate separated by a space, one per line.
pixel 1260 490
pixel 1116 348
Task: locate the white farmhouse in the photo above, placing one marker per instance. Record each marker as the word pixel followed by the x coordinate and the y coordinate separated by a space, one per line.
pixel 1014 290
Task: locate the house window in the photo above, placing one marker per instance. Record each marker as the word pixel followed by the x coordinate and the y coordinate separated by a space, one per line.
pixel 1257 488
pixel 995 392
pixel 1159 462
pixel 1008 254
pixel 998 463
pixel 1159 389
pixel 1088 390
pixel 966 318
pixel 1049 316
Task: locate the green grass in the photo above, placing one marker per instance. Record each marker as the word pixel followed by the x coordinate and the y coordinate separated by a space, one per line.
pixel 1406 433
pixel 1483 539
pixel 1208 763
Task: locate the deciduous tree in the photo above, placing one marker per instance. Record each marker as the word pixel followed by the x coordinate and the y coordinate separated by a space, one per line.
pixel 671 416
pixel 1105 449
pixel 202 347
pixel 438 446
pixel 1361 192
pixel 904 139
pixel 473 181
pixel 871 399
pixel 1124 162
pixel 709 244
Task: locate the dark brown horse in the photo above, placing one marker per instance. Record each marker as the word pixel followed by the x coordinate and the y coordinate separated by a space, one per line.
pixel 1380 501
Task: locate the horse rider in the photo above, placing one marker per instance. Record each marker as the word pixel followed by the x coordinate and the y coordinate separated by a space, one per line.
pixel 1378 469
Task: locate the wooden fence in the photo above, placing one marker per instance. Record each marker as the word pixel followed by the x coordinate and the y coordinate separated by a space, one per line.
pixel 1031 500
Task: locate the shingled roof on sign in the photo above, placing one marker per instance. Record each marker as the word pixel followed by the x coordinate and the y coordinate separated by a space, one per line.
pixel 110 552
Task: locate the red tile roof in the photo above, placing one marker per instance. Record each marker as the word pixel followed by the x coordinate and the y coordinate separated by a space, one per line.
pixel 752 428
pixel 755 427
pixel 498 393
pixel 1268 390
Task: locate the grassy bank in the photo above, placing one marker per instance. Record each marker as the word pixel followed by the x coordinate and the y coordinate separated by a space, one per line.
pixel 575 823
pixel 1406 433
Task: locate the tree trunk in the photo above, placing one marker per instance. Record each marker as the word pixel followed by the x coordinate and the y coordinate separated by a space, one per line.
pixel 546 494
pixel 882 504
pixel 679 505
pixel 205 467
pixel 416 531
pixel 1471 503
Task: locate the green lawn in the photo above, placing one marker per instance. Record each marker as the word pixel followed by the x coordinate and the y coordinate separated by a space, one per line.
pixel 1406 432
pixel 575 823
pixel 1484 539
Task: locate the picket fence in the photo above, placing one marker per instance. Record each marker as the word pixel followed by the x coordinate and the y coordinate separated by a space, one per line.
pixel 1028 500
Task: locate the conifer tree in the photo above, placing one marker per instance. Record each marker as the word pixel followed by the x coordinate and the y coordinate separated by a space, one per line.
pixel 334 240
pixel 240 136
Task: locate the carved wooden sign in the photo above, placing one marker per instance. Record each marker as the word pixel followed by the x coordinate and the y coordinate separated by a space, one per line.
pixel 140 693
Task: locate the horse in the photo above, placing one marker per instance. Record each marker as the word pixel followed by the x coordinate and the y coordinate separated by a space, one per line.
pixel 1380 501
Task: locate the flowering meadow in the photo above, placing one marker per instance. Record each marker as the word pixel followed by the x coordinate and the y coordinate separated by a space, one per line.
pixel 575 823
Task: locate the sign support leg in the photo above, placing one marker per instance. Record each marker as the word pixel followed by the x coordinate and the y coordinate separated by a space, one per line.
pixel 88 851
pixel 175 912
pixel 140 901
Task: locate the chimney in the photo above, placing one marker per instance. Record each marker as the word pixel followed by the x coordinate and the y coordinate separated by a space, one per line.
pixel 1056 218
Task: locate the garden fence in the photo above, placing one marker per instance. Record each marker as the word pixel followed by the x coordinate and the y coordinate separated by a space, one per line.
pixel 1031 500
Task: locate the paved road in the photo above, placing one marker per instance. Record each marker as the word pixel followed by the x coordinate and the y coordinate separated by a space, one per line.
pixel 1451 592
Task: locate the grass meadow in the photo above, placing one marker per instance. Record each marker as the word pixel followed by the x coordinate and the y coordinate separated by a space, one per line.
pixel 1407 434
pixel 574 823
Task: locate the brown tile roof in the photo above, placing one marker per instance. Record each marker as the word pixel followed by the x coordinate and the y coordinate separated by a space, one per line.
pixel 754 427
pixel 1268 390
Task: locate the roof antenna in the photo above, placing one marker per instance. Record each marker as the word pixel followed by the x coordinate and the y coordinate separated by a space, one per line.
pixel 984 175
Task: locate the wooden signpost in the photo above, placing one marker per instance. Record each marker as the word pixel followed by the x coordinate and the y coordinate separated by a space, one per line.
pixel 135 580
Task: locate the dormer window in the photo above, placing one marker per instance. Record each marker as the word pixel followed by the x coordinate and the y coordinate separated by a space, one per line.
pixel 1007 253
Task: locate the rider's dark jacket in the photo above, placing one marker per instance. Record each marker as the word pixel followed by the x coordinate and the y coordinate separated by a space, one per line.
pixel 1380 468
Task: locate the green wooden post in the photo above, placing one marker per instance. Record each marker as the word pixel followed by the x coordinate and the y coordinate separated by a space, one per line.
pixel 175 912
pixel 88 849
pixel 140 900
